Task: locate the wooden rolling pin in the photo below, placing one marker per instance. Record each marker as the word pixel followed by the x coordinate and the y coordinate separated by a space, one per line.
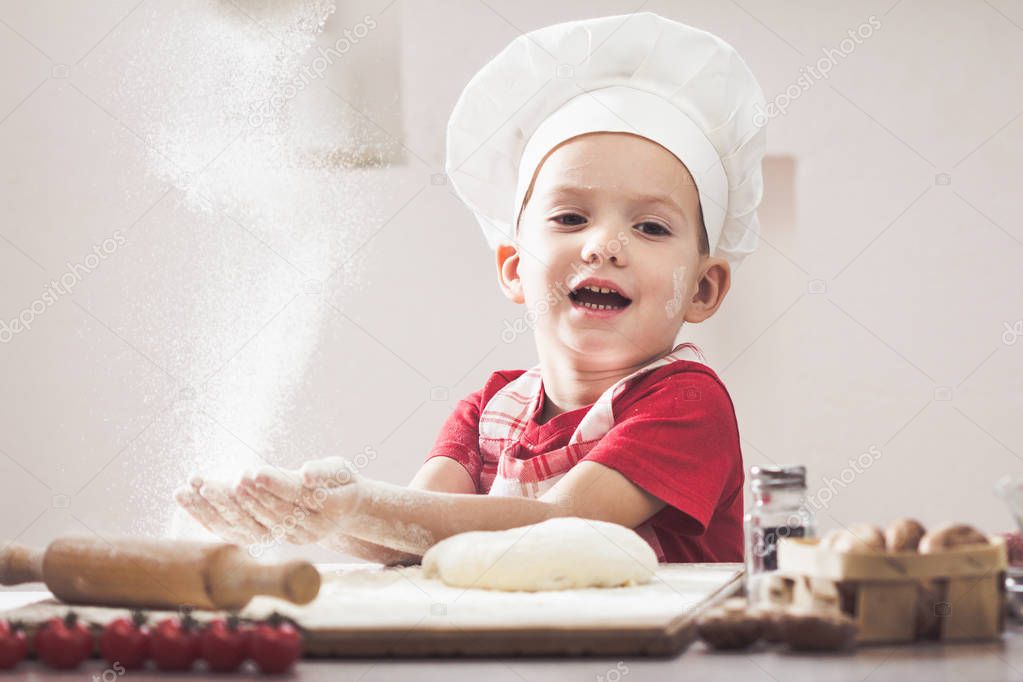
pixel 155 574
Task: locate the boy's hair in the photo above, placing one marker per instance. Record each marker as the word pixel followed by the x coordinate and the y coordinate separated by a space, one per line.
pixel 704 239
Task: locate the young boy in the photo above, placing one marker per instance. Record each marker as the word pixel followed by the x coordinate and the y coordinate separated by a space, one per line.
pixel 630 148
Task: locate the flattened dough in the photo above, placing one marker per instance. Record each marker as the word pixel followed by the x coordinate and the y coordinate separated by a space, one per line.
pixel 557 554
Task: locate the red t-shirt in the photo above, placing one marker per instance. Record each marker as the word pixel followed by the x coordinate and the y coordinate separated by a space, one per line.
pixel 675 436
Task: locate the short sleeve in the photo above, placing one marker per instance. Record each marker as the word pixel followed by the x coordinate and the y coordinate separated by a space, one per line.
pixel 680 443
pixel 459 437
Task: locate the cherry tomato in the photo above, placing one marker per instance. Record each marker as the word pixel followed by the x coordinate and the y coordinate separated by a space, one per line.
pixel 13 645
pixel 126 641
pixel 174 643
pixel 63 642
pixel 224 645
pixel 275 645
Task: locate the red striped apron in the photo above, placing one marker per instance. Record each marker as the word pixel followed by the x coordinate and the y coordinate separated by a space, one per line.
pixel 504 419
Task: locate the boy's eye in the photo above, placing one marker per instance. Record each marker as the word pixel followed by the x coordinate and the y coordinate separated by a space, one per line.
pixel 570 219
pixel 655 228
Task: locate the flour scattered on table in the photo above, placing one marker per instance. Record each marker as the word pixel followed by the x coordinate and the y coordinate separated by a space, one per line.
pixel 368 596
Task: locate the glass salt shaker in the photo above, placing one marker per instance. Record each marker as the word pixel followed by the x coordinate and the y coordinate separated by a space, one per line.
pixel 778 509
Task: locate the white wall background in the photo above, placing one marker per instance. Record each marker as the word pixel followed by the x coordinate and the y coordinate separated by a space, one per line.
pixel 874 316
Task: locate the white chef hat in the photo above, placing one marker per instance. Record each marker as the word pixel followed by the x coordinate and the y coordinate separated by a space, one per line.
pixel 681 87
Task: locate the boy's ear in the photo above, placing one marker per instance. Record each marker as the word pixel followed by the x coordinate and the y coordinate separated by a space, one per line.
pixel 711 287
pixel 508 272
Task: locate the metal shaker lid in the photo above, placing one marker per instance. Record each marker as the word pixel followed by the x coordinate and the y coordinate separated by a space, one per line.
pixel 777 477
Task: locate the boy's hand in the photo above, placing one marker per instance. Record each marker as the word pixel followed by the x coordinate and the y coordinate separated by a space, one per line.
pixel 270 505
pixel 280 501
pixel 329 472
pixel 212 504
pixel 234 513
pixel 317 498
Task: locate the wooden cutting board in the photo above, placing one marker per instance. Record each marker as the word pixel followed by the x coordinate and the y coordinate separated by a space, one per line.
pixel 369 611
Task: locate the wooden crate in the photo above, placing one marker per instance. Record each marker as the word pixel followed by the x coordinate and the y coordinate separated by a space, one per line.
pixel 901 596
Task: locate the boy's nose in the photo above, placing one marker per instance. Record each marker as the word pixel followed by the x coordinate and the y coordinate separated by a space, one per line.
pixel 604 245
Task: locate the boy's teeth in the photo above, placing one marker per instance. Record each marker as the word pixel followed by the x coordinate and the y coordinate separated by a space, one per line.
pixel 589 296
pixel 599 307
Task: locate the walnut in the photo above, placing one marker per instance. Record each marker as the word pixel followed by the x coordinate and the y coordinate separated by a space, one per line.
pixel 950 536
pixel 771 617
pixel 859 537
pixel 730 626
pixel 818 630
pixel 904 535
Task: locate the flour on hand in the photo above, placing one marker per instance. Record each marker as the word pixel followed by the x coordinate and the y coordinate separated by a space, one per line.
pixel 557 554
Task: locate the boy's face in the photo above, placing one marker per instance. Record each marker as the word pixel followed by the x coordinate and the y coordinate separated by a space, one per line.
pixel 620 208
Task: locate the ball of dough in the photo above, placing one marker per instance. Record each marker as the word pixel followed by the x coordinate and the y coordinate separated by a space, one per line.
pixel 904 535
pixel 557 554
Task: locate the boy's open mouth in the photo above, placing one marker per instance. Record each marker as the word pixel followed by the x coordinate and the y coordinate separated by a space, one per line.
pixel 598 298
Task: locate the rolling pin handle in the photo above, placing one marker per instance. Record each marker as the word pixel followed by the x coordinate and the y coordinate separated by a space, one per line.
pixel 296 581
pixel 20 564
pixel 235 579
pixel 299 581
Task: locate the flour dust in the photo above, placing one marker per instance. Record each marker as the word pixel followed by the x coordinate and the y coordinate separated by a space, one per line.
pixel 210 85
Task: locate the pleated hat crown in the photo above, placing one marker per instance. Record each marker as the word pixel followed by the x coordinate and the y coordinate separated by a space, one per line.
pixel 679 86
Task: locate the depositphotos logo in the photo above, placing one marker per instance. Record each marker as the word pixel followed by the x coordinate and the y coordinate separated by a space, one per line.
pixel 62 286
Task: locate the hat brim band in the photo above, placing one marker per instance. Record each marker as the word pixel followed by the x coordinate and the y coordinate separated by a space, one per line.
pixel 625 109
